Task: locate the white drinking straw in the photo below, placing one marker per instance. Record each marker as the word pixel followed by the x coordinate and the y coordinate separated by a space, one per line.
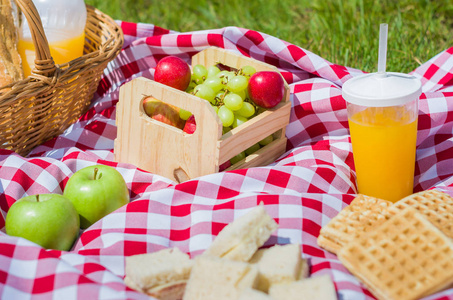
pixel 382 60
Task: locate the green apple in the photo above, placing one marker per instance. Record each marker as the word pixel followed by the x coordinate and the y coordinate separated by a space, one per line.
pixel 95 192
pixel 49 220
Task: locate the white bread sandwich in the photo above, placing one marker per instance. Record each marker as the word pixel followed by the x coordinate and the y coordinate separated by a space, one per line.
pixel 162 274
pixel 313 288
pixel 279 264
pixel 220 279
pixel 252 294
pixel 240 239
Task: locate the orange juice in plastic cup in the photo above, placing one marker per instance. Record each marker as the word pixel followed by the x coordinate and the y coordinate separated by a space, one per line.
pixel 382 115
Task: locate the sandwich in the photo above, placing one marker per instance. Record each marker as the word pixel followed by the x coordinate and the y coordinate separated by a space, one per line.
pixel 240 239
pixel 233 267
pixel 162 274
pixel 279 264
pixel 314 288
pixel 252 294
pixel 220 279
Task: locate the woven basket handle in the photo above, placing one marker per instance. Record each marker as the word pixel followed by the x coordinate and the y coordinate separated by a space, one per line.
pixel 44 64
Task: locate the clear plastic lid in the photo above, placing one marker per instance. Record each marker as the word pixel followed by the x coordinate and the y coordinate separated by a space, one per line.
pixel 382 89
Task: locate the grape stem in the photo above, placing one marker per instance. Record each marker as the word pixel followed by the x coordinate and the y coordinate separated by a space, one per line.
pixel 220 101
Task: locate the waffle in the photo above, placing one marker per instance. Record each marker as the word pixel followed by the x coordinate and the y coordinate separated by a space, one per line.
pixel 328 244
pixel 361 215
pixel 437 206
pixel 406 257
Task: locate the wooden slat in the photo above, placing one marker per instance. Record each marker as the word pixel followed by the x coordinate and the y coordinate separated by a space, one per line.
pixel 253 131
pixel 264 156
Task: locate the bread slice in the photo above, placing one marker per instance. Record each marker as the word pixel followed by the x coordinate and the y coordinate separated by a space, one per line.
pixel 313 288
pixel 252 294
pixel 132 285
pixel 240 239
pixel 10 61
pixel 162 274
pixel 279 264
pixel 171 291
pixel 217 278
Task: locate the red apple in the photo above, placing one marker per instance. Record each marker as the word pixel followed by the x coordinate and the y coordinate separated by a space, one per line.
pixel 191 125
pixel 163 112
pixel 266 88
pixel 174 72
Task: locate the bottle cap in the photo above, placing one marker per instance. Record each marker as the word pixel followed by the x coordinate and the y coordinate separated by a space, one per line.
pixel 382 89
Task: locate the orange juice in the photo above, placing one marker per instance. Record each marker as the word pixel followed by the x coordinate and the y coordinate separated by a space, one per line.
pixel 62 51
pixel 383 144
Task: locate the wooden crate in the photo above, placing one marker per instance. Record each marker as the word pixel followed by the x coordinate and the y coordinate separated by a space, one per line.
pixel 168 151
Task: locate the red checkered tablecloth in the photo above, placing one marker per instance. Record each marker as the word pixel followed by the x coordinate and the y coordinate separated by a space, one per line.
pixel 302 190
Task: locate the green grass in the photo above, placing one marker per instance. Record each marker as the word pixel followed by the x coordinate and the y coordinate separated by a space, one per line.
pixel 341 31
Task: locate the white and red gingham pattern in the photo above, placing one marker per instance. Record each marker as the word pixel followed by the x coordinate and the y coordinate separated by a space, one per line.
pixel 302 190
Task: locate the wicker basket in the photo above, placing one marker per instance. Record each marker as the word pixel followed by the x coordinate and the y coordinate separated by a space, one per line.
pixel 43 105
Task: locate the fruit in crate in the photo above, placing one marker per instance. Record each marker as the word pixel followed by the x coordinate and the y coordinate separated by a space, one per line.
pixel 237 158
pixel 95 192
pixel 266 88
pixel 237 95
pixel 163 112
pixel 174 72
pixel 224 166
pixel 267 140
pixel 225 90
pixel 49 220
pixel 190 125
pixel 184 114
pixel 213 144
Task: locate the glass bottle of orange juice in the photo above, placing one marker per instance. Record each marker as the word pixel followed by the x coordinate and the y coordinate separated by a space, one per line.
pixel 382 116
pixel 64 25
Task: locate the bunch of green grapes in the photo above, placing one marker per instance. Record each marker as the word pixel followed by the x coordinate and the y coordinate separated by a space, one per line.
pixel 227 93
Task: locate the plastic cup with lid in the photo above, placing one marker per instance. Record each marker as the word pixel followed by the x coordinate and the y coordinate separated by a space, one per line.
pixel 382 116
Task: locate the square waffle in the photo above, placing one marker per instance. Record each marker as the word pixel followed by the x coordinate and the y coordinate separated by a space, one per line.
pixel 361 215
pixel 406 257
pixel 437 206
